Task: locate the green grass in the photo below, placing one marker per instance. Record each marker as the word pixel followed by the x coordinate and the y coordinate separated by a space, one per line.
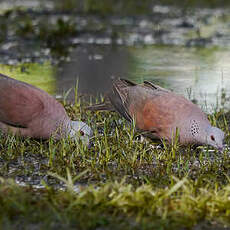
pixel 43 74
pixel 123 182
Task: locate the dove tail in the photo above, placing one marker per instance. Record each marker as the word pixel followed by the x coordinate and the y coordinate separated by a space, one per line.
pixel 116 99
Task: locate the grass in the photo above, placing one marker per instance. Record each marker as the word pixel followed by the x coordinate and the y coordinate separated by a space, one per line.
pixel 43 74
pixel 116 205
pixel 122 182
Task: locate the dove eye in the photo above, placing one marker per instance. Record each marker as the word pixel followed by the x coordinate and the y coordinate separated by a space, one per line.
pixel 212 138
pixel 81 133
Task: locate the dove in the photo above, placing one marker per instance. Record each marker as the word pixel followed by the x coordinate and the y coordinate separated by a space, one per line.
pixel 31 112
pixel 160 113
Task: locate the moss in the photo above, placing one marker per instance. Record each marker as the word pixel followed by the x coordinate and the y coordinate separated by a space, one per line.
pixel 40 75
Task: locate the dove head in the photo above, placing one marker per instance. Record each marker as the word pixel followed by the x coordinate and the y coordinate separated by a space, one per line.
pixel 80 130
pixel 204 133
pixel 215 137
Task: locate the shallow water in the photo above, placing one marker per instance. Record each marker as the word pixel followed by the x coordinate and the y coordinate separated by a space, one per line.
pixel 201 74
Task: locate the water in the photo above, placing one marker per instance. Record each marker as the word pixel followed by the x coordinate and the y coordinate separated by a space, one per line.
pixel 200 74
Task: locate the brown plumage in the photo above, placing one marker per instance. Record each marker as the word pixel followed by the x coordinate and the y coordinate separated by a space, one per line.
pixel 31 112
pixel 158 113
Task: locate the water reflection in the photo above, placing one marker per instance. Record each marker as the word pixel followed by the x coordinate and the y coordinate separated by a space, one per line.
pixel 199 74
pixel 94 66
